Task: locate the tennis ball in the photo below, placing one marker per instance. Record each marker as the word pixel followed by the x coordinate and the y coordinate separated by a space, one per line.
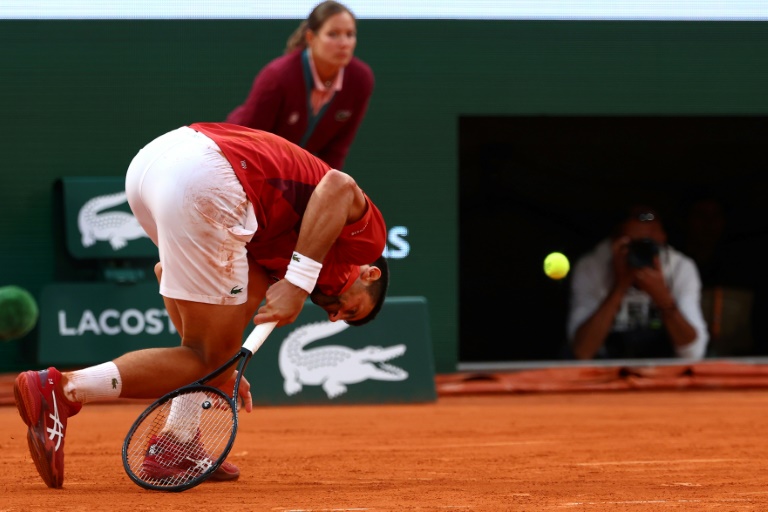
pixel 18 312
pixel 556 265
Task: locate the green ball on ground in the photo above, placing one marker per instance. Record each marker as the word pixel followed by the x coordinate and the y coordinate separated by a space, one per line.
pixel 18 312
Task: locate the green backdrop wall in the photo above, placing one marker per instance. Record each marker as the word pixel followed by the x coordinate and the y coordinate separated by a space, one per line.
pixel 79 98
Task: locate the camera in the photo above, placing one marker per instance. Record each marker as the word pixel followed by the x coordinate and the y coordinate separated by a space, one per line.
pixel 641 253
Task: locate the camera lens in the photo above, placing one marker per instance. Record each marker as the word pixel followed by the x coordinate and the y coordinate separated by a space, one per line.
pixel 641 253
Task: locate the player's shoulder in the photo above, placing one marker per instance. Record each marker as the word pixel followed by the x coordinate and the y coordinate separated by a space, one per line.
pixel 679 261
pixel 360 71
pixel 595 260
pixel 282 65
pixel 359 66
pixel 600 254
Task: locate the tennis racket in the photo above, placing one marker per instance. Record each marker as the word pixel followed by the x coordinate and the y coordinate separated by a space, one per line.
pixel 184 436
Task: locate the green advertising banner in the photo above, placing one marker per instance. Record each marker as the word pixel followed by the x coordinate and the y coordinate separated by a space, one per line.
pixel 312 361
pixel 89 323
pixel 315 361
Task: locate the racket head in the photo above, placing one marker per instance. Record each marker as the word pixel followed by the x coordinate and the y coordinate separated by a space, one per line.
pixel 180 439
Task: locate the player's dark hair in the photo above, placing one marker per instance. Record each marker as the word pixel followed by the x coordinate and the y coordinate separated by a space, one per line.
pixel 314 22
pixel 377 290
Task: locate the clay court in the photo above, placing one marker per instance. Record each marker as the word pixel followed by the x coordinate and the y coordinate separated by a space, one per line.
pixel 636 450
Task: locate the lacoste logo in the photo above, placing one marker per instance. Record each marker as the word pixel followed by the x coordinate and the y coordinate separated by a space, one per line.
pixel 57 430
pixel 295 257
pixel 116 227
pixel 343 115
pixel 235 290
pixel 114 383
pixel 334 367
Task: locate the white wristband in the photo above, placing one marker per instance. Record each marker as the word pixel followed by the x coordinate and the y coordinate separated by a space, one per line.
pixel 303 272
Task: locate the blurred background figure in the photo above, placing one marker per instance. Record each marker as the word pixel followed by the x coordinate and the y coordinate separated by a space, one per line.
pixel 718 246
pixel 708 236
pixel 634 296
pixel 704 230
pixel 317 93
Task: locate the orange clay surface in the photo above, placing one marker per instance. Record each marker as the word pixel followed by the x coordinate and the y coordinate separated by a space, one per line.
pixel 620 451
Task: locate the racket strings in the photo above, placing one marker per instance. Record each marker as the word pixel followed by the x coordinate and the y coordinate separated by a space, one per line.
pixel 181 439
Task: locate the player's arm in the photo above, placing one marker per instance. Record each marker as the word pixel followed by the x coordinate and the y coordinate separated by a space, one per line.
pixel 335 202
pixel 651 280
pixel 591 334
pixel 680 331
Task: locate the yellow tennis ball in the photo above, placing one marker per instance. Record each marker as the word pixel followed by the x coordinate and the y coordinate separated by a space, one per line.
pixel 556 265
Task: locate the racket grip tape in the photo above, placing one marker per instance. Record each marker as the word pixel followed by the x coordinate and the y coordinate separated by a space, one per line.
pixel 258 336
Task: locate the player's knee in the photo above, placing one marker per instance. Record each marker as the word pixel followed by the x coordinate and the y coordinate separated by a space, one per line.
pixel 212 358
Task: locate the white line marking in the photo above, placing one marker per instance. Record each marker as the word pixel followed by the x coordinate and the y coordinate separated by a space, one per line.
pixel 463 445
pixel 317 509
pixel 679 461
pixel 635 502
pixel 478 445
pixel 648 502
pixel 353 509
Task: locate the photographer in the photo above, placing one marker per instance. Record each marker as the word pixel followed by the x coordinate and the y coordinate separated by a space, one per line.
pixel 634 296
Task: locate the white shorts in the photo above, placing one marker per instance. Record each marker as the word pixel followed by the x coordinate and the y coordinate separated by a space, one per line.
pixel 187 198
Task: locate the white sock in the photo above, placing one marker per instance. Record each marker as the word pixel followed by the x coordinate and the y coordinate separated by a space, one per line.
pixel 100 382
pixel 184 418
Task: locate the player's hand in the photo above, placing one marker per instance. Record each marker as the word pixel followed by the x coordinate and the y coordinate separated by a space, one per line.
pixel 651 281
pixel 243 391
pixel 284 302
pixel 623 273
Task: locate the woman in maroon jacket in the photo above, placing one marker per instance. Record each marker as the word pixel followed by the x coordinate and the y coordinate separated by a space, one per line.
pixel 317 93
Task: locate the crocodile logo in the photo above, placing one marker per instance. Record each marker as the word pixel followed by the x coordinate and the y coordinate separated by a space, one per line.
pixel 114 227
pixel 333 366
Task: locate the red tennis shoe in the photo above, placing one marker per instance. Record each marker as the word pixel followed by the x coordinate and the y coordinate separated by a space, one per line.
pixel 168 459
pixel 225 472
pixel 44 408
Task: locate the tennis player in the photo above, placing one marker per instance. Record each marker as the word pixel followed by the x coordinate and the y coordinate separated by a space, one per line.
pixel 239 216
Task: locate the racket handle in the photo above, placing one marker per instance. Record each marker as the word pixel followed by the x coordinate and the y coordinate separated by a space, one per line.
pixel 258 336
